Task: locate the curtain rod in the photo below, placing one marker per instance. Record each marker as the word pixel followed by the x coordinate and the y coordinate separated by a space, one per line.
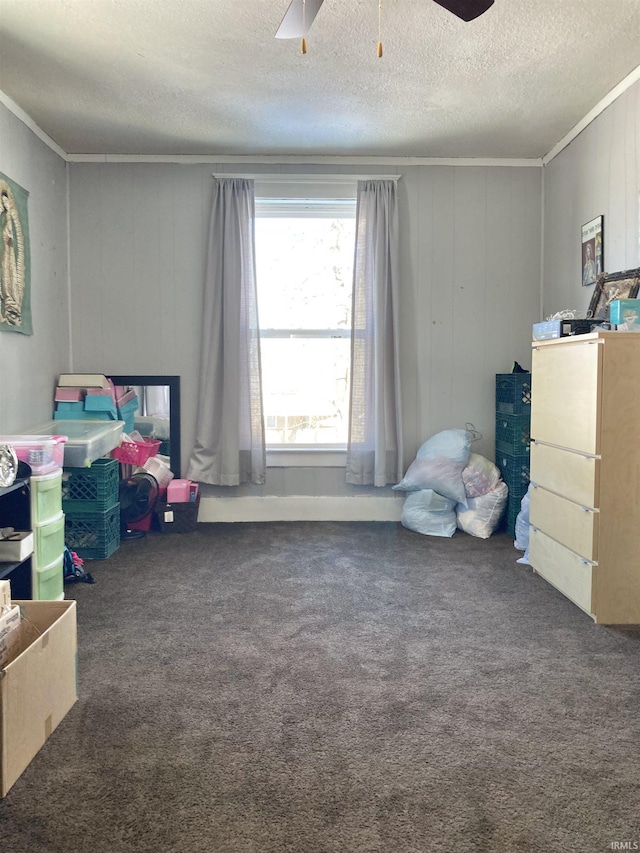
pixel 307 179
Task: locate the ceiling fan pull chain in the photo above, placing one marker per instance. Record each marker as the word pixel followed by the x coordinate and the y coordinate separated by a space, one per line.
pixel 379 29
pixel 303 46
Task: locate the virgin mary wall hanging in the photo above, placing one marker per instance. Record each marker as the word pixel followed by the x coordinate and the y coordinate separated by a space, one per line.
pixel 15 259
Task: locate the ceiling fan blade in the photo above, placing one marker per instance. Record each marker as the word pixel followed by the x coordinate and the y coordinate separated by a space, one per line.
pixel 466 9
pixel 291 26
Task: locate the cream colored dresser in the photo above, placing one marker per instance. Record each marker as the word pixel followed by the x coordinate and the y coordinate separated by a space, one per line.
pixel 585 471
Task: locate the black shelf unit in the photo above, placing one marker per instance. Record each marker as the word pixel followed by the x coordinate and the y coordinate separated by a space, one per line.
pixel 15 511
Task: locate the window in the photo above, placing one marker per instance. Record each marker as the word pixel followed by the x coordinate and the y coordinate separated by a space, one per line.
pixel 304 255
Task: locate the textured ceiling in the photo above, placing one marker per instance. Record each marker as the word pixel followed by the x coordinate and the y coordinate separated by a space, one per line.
pixel 207 77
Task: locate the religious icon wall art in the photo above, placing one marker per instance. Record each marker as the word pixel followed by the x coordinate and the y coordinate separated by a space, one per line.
pixel 592 250
pixel 15 259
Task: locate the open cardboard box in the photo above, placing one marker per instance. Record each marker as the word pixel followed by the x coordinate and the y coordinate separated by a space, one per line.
pixel 38 687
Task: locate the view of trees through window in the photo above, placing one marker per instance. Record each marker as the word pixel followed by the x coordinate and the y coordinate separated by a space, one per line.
pixel 304 273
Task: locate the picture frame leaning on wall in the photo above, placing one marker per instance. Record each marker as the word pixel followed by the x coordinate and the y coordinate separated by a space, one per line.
pixel 609 286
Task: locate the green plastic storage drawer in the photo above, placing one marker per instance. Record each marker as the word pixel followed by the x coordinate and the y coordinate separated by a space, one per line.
pixel 46 497
pixel 48 542
pixel 48 584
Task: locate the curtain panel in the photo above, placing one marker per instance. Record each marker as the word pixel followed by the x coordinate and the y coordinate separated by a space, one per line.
pixel 230 444
pixel 374 452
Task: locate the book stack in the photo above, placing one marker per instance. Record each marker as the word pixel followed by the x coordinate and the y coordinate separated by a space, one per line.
pixel 85 396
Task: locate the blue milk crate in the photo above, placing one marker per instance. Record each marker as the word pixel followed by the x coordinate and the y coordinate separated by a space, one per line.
pixel 513 434
pixel 91 489
pixel 513 393
pixel 93 535
pixel 514 470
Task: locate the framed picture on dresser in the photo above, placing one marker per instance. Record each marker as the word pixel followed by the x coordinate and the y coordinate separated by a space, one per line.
pixel 610 286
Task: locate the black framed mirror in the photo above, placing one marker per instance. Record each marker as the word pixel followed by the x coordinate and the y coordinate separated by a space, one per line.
pixel 158 412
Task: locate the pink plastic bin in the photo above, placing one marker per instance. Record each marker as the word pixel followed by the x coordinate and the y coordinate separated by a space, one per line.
pixel 43 453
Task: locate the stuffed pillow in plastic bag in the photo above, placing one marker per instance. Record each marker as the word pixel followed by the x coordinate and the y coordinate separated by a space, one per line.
pixel 479 476
pixel 439 464
pixel 483 513
pixel 429 513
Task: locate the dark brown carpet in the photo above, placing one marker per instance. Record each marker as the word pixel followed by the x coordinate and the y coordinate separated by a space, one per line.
pixel 334 688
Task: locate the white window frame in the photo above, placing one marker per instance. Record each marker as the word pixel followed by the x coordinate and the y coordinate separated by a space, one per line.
pixel 295 195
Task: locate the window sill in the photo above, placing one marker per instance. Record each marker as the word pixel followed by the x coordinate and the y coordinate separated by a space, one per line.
pixel 306 457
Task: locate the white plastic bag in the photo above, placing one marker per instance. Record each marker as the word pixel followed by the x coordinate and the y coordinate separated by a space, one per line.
pixel 453 443
pixel 438 465
pixel 479 476
pixel 522 524
pixel 482 515
pixel 429 513
pixel 440 474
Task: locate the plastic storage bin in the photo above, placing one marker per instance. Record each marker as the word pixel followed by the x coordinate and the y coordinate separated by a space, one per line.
pixel 48 542
pixel 86 440
pixel 42 452
pixel 48 584
pixel 45 493
pixel 90 489
pixel 93 535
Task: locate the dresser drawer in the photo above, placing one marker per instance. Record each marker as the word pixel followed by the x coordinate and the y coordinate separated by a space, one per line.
pixel 565 395
pixel 572 475
pixel 568 523
pixel 563 569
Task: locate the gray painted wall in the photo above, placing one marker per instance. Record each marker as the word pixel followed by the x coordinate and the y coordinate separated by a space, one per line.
pixel 470 267
pixel 29 365
pixel 598 173
pixel 470 287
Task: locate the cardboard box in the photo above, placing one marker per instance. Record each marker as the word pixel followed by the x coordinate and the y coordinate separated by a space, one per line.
pixel 38 686
pixel 5 593
pixel 9 633
pixel 16 547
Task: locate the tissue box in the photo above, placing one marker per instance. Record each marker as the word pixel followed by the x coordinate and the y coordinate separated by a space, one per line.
pixel 619 308
pixel 178 491
pixel 17 547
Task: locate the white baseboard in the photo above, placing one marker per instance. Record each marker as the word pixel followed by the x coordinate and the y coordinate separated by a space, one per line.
pixel 300 508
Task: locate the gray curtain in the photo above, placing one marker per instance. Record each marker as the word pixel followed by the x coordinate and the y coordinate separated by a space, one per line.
pixel 374 452
pixel 229 447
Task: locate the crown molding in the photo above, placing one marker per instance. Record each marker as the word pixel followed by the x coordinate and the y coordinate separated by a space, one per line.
pixel 599 108
pixel 25 119
pixel 303 159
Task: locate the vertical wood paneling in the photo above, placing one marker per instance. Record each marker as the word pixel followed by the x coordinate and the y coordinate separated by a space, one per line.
pixel 469 269
pixel 438 278
pixel 469 288
pixel 598 173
